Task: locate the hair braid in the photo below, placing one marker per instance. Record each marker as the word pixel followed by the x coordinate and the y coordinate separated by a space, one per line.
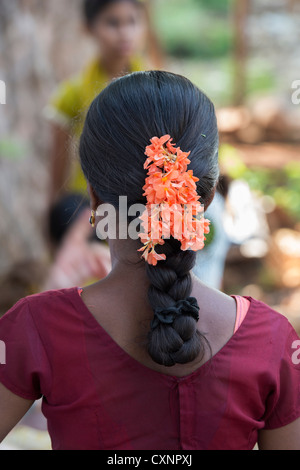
pixel 180 341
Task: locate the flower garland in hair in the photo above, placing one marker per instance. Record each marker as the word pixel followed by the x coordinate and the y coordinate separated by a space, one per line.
pixel 173 206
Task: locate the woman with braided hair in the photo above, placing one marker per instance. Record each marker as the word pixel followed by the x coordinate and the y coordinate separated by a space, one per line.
pixel 150 357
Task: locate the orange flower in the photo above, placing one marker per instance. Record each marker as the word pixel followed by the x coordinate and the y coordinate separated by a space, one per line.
pixel 170 187
pixel 150 254
pixel 156 151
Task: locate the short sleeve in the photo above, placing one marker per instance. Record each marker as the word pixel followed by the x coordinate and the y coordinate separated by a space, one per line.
pixel 23 359
pixel 284 403
pixel 65 104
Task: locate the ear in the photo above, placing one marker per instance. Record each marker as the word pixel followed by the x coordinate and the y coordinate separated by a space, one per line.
pixel 95 202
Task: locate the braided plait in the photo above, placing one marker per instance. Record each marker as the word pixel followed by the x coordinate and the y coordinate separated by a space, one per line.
pixel 174 337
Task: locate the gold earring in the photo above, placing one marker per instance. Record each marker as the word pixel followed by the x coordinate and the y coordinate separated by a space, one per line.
pixel 93 219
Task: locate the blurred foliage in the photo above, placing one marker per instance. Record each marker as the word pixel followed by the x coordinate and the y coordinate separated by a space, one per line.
pixel 11 149
pixel 198 35
pixel 282 185
pixel 194 28
pixel 211 235
pixel 218 6
pixel 215 78
pixel 260 78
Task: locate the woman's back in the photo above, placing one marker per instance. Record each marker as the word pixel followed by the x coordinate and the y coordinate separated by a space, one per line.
pixel 99 392
pixel 119 305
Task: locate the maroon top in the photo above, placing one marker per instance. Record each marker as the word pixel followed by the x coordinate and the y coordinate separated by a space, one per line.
pixel 96 396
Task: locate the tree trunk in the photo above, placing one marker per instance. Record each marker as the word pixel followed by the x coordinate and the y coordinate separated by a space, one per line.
pixel 240 15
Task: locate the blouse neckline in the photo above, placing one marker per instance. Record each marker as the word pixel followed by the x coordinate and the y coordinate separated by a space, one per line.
pixel 77 301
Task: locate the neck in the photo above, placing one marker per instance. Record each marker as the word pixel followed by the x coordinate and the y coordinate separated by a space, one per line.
pixel 127 266
pixel 128 281
pixel 115 66
pixel 130 269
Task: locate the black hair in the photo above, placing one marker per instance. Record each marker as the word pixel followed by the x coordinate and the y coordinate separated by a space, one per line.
pixel 64 213
pixel 119 125
pixel 92 8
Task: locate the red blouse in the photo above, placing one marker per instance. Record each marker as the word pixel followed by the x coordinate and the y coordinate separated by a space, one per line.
pixel 96 396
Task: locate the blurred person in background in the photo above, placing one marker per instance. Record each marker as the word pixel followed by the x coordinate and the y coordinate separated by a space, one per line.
pixel 118 29
pixel 210 262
